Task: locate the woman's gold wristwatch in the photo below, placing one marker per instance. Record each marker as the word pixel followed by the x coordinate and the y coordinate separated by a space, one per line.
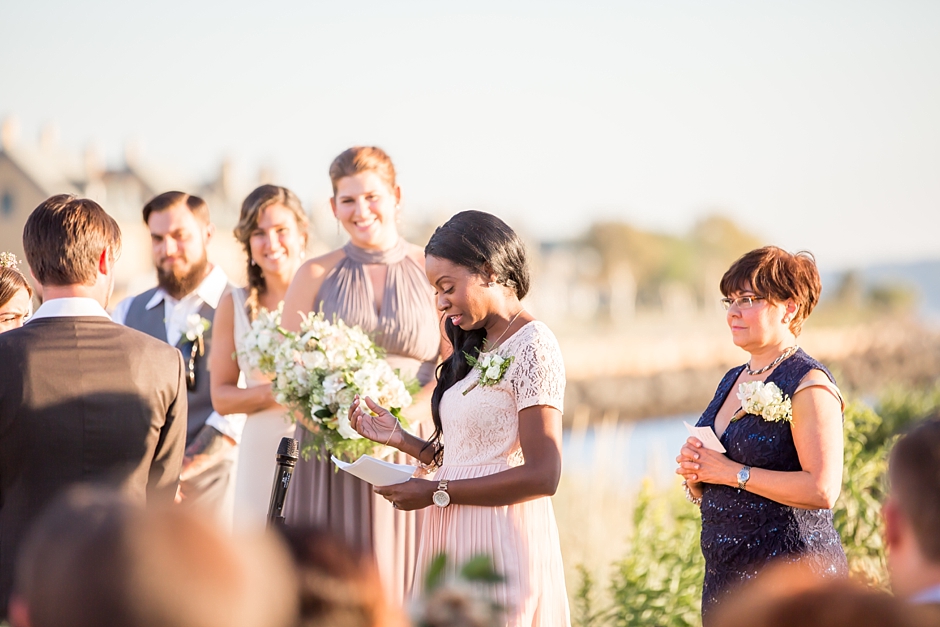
pixel 441 498
pixel 743 476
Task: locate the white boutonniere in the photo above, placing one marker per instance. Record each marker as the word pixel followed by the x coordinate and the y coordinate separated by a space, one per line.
pixel 492 368
pixel 195 331
pixel 765 400
pixel 196 327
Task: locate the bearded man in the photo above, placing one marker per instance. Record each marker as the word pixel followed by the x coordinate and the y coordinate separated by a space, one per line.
pixel 180 311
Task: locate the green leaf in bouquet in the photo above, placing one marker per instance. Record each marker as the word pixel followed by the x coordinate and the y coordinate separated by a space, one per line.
pixel 323 413
pixel 435 574
pixel 480 568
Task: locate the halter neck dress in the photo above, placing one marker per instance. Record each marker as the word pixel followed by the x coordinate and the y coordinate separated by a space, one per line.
pixel 407 328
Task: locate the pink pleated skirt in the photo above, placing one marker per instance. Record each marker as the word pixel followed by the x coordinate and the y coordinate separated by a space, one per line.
pixel 522 540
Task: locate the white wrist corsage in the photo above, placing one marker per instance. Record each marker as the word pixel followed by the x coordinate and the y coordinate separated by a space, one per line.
pixel 492 368
pixel 765 400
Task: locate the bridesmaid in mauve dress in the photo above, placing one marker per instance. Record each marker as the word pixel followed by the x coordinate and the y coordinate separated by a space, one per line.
pixel 376 281
pixel 497 439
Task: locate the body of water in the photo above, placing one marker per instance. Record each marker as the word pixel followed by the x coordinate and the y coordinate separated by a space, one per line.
pixel 627 452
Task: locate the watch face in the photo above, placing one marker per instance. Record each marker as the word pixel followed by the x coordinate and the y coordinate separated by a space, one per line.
pixel 441 498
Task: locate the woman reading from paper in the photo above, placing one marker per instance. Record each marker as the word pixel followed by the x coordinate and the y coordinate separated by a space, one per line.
pixel 769 497
pixel 497 411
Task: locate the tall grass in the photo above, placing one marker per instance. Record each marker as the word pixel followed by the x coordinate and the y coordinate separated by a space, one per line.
pixel 634 558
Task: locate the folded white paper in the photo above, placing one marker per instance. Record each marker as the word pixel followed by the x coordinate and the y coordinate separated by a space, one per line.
pixel 707 436
pixel 376 471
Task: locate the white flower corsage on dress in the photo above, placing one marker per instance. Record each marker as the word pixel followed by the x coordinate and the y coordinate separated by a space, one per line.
pixel 765 400
pixel 492 368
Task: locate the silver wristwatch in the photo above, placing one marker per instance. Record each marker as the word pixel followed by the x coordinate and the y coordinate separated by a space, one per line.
pixel 743 475
pixel 441 498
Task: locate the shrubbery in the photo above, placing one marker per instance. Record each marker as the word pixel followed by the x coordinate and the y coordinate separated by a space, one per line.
pixel 659 581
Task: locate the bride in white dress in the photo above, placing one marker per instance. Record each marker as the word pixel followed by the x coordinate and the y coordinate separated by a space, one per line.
pixel 273 229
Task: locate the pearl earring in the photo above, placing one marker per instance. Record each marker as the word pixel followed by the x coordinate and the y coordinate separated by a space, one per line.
pixel 254 263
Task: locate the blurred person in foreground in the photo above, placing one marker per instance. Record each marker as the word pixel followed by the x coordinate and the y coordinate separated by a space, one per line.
pixel 912 516
pixel 16 295
pixel 95 558
pixel 180 311
pixel 81 398
pixel 793 595
pixel 779 417
pixel 339 585
pixel 273 230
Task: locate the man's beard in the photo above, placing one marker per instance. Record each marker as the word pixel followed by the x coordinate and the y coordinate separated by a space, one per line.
pixel 179 284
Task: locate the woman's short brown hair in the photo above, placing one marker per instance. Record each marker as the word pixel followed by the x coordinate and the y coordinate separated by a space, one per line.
pixel 360 159
pixel 64 237
pixel 778 276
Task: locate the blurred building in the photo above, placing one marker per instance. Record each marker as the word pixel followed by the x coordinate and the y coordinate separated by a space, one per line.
pixel 30 172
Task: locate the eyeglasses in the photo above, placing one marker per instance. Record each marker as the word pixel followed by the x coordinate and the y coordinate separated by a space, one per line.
pixel 743 302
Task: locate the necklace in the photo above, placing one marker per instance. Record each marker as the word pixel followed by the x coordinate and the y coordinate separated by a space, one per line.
pixel 775 362
pixel 509 326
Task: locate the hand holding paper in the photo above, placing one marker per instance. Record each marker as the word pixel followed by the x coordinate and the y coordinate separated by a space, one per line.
pixel 707 436
pixel 376 471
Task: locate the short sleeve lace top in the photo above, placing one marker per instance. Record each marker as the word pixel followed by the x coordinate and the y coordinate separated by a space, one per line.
pixel 481 423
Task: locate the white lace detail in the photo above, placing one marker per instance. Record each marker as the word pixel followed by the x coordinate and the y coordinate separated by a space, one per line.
pixel 483 426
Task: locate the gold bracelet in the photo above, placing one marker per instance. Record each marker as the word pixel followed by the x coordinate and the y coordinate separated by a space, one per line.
pixel 392 433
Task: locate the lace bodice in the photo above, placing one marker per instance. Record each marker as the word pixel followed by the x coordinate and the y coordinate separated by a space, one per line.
pixel 482 426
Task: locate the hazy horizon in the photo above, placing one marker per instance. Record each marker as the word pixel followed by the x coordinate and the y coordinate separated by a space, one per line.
pixel 812 124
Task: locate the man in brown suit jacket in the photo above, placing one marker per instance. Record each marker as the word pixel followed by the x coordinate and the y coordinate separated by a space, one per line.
pixel 82 399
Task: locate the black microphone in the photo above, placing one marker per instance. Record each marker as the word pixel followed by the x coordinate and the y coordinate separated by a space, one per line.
pixel 287 453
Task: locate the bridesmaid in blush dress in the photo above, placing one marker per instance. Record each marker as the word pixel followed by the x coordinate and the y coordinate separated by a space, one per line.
pixel 273 229
pixel 497 437
pixel 376 281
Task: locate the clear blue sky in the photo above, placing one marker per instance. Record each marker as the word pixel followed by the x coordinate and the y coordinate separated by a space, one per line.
pixel 814 123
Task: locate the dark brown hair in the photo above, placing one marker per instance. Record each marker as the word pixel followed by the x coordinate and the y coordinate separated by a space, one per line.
pixel 363 159
pixel 12 281
pixel 835 603
pixel 164 201
pixel 63 239
pixel 252 208
pixel 914 472
pixel 778 276
pixel 484 245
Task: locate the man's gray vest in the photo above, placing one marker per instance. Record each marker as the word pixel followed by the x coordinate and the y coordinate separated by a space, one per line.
pixel 151 322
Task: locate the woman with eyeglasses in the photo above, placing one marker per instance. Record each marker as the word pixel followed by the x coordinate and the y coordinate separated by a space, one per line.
pixel 15 294
pixel 769 495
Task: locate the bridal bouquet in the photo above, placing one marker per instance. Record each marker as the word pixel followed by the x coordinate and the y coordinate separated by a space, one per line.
pixel 317 373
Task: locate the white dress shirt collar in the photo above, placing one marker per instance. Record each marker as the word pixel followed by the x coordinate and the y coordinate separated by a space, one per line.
pixel 72 307
pixel 209 291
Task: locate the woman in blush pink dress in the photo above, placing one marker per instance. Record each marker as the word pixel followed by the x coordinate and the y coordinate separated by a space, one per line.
pixel 497 436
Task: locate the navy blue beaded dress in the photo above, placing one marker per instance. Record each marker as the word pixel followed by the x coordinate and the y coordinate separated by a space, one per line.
pixel 743 532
